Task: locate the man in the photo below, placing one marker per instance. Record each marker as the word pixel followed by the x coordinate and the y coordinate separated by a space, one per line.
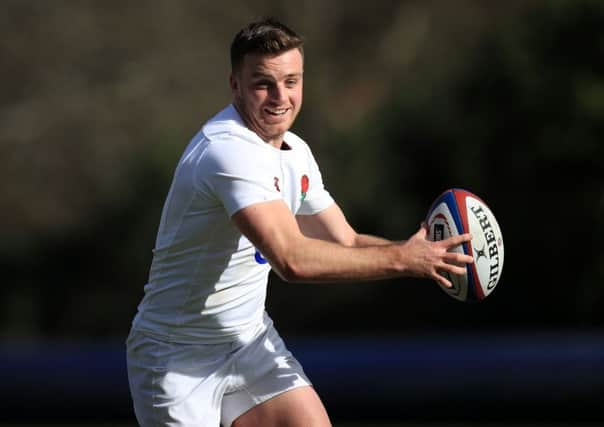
pixel 247 196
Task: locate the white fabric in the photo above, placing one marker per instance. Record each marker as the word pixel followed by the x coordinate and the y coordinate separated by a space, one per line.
pixel 203 385
pixel 207 283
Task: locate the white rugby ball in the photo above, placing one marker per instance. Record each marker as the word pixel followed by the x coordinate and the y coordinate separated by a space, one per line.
pixel 458 211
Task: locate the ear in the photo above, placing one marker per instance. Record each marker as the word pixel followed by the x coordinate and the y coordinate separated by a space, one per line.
pixel 234 83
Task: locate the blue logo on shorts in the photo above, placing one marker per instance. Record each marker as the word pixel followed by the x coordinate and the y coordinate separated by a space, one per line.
pixel 259 258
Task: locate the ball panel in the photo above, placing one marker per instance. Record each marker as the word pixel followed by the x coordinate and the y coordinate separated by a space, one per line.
pixel 487 243
pixel 448 198
pixel 476 291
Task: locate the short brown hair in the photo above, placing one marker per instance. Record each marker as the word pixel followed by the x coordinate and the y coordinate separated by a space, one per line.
pixel 267 36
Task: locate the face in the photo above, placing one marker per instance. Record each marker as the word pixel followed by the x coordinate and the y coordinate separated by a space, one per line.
pixel 267 92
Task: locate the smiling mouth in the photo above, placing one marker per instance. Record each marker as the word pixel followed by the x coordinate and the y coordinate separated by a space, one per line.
pixel 276 111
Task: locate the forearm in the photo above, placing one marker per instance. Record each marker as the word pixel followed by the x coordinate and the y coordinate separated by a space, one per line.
pixel 313 260
pixel 363 240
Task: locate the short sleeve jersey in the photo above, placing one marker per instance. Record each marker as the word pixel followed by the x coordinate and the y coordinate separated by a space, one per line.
pixel 207 281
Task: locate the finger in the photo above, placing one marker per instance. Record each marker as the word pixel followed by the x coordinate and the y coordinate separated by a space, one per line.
pixel 457 258
pixel 457 240
pixel 443 281
pixel 457 270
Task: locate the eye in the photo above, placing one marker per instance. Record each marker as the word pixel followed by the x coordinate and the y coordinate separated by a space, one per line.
pixel 262 84
pixel 291 82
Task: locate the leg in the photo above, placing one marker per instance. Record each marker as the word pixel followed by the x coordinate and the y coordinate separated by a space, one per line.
pixel 300 407
pixel 176 385
pixel 271 388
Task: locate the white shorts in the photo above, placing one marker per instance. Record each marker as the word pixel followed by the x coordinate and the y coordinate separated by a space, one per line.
pixel 205 385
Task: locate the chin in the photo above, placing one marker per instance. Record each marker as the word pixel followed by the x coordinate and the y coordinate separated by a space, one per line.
pixel 277 129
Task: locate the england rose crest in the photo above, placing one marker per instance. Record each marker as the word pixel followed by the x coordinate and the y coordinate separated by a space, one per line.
pixel 305 182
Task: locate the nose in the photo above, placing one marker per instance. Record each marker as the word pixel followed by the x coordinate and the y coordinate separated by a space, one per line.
pixel 278 92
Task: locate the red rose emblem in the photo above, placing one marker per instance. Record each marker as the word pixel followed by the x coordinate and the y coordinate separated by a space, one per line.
pixel 305 182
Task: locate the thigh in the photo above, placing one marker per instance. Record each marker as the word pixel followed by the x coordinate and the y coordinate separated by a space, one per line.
pixel 272 387
pixel 175 384
pixel 300 407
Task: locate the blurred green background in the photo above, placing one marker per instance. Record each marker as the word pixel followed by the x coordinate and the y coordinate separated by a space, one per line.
pixel 403 99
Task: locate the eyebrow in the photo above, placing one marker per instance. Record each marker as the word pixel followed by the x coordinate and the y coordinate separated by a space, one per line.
pixel 260 74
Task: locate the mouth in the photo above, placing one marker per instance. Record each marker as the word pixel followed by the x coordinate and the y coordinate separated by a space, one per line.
pixel 276 112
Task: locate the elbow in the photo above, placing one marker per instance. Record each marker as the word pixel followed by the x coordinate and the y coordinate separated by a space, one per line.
pixel 290 261
pixel 291 272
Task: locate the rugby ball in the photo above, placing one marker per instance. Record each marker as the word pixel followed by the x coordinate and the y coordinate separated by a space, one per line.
pixel 458 211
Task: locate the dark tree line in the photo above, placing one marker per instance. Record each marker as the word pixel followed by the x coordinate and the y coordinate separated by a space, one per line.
pixel 506 101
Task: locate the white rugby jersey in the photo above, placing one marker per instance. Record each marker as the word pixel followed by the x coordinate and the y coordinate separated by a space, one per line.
pixel 207 281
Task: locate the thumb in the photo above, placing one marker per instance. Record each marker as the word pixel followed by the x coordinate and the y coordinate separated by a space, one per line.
pixel 423 231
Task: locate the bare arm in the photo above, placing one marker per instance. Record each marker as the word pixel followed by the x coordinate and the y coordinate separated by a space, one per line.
pixel 272 228
pixel 331 225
